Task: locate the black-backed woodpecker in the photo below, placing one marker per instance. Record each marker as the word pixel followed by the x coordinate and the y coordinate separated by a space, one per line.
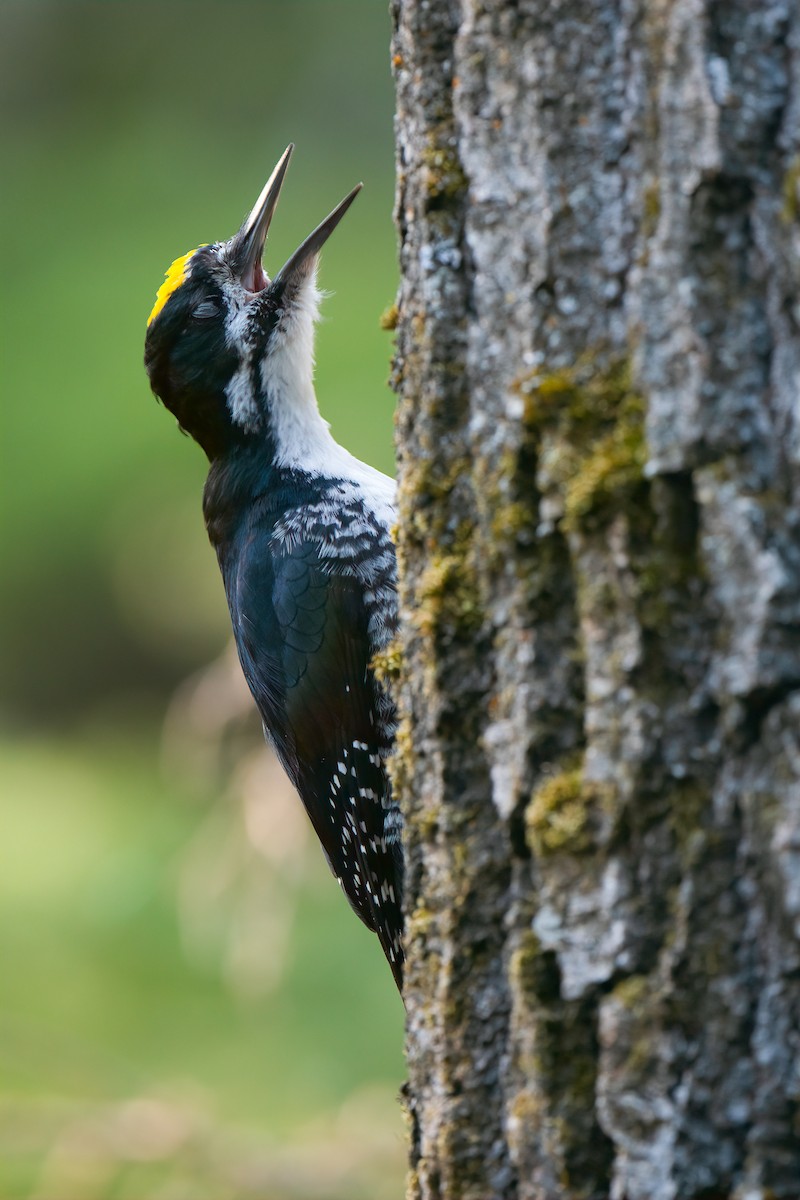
pixel 302 534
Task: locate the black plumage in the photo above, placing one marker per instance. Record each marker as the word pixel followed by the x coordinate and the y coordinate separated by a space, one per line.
pixel 302 631
pixel 302 534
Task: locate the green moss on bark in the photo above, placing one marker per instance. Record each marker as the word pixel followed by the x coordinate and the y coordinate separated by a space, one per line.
pixel 631 991
pixel 444 179
pixel 565 811
pixel 588 422
pixel 448 602
pixel 387 664
pixel 448 593
pixel 532 972
pixel 388 318
pixel 791 191
pixel 639 1012
pixel 651 208
pixel 556 818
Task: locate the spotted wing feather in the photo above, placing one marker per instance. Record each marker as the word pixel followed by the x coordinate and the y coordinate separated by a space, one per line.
pixel 301 630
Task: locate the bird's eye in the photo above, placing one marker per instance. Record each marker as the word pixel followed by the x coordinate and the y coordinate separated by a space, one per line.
pixel 205 309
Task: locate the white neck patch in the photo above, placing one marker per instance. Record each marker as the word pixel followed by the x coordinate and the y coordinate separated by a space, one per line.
pixel 287 382
pixel 302 437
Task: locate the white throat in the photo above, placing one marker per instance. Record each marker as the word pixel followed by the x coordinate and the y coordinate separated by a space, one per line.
pixel 302 438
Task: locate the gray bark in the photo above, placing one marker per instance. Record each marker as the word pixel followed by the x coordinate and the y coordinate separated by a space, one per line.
pixel 599 441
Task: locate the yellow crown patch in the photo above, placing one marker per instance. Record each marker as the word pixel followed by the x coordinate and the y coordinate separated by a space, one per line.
pixel 176 275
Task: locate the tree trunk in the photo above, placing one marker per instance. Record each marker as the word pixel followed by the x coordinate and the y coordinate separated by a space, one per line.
pixel 599 439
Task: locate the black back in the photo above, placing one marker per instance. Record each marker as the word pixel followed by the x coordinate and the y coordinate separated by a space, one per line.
pixel 306 636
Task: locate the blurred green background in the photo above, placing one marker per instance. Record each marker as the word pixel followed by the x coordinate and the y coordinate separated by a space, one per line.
pixel 188 1009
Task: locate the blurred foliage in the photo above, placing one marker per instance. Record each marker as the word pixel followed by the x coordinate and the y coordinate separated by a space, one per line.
pixel 133 132
pixel 188 1007
pixel 101 1008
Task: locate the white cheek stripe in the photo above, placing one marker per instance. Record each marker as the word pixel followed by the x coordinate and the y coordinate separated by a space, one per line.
pixel 240 391
pixel 240 395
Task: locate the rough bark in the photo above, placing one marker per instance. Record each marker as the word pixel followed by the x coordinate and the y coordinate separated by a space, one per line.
pixel 599 439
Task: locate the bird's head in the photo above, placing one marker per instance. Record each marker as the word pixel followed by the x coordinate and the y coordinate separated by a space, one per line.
pixel 226 345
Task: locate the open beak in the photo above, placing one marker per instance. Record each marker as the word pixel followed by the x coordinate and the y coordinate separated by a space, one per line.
pixel 249 242
pixel 248 245
pixel 302 261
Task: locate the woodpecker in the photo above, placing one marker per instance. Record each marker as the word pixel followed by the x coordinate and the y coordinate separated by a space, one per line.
pixel 302 532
